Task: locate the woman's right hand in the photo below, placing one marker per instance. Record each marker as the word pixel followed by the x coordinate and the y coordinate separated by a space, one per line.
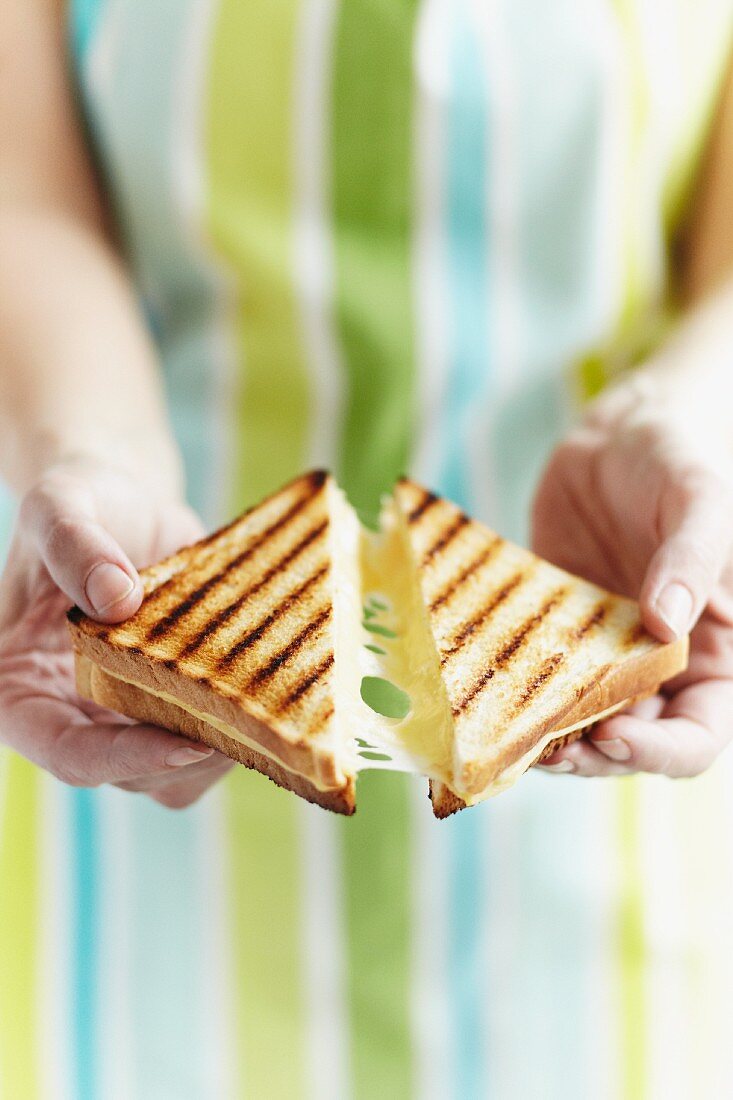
pixel 81 530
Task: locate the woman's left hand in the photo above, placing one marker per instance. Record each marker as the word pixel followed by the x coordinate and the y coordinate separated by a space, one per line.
pixel 635 500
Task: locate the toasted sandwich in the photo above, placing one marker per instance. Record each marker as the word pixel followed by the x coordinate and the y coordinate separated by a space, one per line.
pixel 267 640
pixel 529 655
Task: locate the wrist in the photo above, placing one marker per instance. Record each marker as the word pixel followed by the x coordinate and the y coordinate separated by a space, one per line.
pixel 667 413
pixel 150 458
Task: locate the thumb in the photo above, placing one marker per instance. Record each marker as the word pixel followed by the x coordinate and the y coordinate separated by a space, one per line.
pixel 696 526
pixel 81 557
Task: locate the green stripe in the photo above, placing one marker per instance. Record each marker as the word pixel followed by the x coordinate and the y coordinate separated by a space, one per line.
pixel 250 217
pixel 250 154
pixel 19 923
pixel 631 947
pixel 372 198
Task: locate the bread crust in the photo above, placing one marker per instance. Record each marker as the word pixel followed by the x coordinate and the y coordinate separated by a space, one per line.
pixel 445 802
pixel 311 759
pixel 633 679
pixel 96 684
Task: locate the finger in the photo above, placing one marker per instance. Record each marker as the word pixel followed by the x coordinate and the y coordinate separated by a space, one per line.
pixel 696 524
pixel 582 758
pixel 178 793
pixel 694 728
pixel 54 733
pixel 214 765
pixel 649 709
pixel 84 561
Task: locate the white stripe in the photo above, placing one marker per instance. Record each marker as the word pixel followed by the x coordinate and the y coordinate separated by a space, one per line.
pixel 115 947
pixel 432 40
pixel 601 1040
pixel 666 935
pixel 323 957
pixel 313 247
pixel 101 55
pixel 502 947
pixel 429 985
pixel 322 930
pixel 607 234
pixel 724 956
pixel 502 246
pixel 218 992
pixel 53 940
pixel 188 175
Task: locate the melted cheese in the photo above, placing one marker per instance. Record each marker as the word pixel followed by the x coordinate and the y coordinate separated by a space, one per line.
pixel 217 723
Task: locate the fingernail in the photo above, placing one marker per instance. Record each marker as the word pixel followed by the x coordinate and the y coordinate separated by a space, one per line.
pixel 561 766
pixel 614 748
pixel 674 606
pixel 106 585
pixel 179 757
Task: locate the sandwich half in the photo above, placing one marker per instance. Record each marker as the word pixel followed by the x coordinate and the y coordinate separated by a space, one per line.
pixel 268 639
pixel 237 643
pixel 529 656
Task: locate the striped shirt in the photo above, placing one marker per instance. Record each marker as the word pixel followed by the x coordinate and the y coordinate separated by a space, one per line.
pixel 382 237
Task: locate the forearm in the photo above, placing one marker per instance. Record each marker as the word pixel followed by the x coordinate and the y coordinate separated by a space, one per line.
pixel 79 373
pixel 693 370
pixel 687 382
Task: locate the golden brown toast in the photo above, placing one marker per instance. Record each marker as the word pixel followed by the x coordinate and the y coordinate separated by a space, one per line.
pixel 238 628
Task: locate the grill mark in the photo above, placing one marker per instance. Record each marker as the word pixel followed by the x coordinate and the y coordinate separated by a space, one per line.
pixel 200 593
pixel 596 617
pixel 283 655
pixel 547 670
pixel 478 685
pixel 486 554
pixel 427 502
pixel 445 538
pixel 528 626
pixel 308 681
pixel 482 615
pixel 257 632
pixel 313 482
pixel 637 634
pixel 515 643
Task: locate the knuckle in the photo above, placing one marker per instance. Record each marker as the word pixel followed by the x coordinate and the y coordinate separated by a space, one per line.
pixel 61 534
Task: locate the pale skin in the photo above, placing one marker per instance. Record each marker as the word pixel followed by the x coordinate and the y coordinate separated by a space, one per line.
pixel 85 443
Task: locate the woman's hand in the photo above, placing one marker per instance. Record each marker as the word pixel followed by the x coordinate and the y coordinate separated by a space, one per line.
pixel 68 547
pixel 640 501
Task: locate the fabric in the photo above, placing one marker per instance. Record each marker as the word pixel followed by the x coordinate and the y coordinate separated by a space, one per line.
pixel 382 236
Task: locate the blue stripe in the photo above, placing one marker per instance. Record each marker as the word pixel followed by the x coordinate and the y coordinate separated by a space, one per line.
pixel 555 125
pixel 84 942
pixel 83 21
pixel 468 340
pixel 132 118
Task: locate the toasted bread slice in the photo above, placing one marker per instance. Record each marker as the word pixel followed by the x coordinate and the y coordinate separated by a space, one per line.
pixel 235 643
pixel 528 653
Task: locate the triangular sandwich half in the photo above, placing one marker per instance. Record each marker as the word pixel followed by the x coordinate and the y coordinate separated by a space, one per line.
pixel 238 640
pixel 529 655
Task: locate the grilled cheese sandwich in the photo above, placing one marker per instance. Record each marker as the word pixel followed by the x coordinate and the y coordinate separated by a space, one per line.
pixel 258 640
